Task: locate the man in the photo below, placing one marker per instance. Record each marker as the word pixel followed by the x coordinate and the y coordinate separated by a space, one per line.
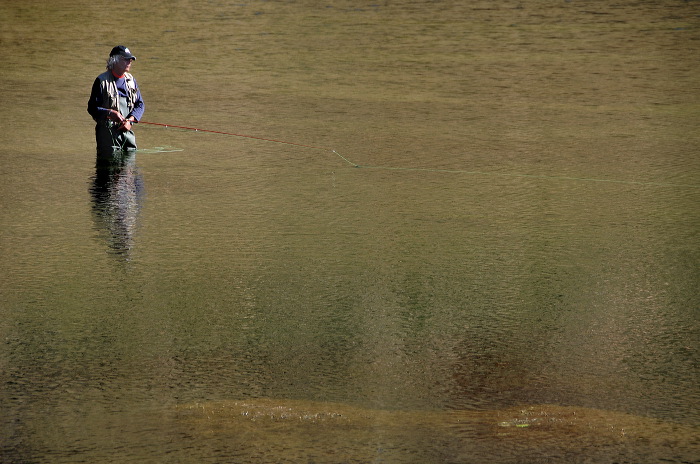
pixel 116 104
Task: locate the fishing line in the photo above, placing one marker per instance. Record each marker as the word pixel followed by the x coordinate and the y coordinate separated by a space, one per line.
pixel 453 171
pixel 250 137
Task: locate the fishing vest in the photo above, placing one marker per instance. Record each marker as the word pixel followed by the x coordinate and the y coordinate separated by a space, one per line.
pixel 110 94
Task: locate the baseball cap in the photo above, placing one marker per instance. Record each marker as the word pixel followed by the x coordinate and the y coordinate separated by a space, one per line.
pixel 123 51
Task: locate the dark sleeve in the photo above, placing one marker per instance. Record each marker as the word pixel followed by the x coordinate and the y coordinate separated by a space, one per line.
pixel 139 106
pixel 95 103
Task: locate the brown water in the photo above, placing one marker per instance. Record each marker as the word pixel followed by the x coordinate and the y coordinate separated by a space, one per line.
pixel 522 231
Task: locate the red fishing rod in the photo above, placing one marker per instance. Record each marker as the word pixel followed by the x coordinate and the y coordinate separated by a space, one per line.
pixel 235 135
pixel 196 129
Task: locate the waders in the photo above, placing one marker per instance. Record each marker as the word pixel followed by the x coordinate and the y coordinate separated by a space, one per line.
pixel 110 139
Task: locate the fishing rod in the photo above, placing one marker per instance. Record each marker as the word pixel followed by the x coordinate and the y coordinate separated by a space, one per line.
pixel 196 129
pixel 231 133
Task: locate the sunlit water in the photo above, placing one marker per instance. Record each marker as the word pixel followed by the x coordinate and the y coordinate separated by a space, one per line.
pixel 483 207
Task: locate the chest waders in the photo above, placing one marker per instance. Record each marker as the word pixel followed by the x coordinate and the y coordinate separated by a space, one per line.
pixel 109 138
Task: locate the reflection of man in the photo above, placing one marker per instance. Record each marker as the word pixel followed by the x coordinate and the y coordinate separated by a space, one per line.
pixel 115 104
pixel 117 190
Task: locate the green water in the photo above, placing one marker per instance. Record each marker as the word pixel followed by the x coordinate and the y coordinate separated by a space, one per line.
pixel 522 230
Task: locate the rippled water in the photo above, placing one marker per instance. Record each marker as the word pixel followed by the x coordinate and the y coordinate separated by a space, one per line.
pixel 482 208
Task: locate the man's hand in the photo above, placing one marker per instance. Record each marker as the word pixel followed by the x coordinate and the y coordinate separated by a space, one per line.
pixel 126 124
pixel 115 116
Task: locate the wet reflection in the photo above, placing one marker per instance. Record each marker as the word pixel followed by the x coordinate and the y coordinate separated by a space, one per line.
pixel 117 191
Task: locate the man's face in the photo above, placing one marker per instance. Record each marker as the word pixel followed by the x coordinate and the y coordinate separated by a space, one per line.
pixel 122 65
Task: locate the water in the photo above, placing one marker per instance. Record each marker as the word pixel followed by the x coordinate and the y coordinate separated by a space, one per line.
pixel 521 232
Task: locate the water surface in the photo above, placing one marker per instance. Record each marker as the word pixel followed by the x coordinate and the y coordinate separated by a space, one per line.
pixel 510 218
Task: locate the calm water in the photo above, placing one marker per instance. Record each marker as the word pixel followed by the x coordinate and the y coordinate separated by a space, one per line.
pixel 522 230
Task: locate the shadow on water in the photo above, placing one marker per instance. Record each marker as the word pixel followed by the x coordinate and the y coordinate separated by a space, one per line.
pixel 117 191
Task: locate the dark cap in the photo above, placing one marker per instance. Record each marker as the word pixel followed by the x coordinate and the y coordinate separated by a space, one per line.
pixel 122 51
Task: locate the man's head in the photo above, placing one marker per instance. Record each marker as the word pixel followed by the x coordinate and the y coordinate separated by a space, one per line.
pixel 120 59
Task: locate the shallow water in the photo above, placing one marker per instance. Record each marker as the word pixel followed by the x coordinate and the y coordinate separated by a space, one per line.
pixel 489 207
